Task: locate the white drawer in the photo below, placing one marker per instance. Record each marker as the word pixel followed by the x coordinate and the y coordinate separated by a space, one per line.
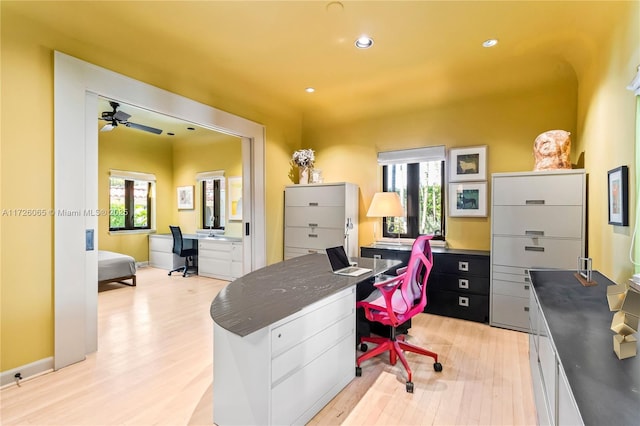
pixel 510 288
pixel 236 252
pixel 315 217
pixel 163 260
pixel 543 189
pixel 315 196
pixel 514 278
pixel 161 244
pixel 214 268
pixel 540 221
pixel 291 252
pixel 318 238
pixel 511 270
pixel 510 311
pixel 536 252
pixel 299 329
pixel 236 270
pixel 300 355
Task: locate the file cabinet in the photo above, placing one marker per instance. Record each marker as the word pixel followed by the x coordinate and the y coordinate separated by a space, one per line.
pixel 537 221
pixel 220 259
pixel 316 216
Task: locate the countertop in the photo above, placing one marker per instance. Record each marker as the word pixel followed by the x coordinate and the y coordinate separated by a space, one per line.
pixel 606 389
pixel 272 293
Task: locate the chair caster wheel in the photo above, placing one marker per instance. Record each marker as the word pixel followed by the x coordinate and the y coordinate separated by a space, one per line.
pixel 358 371
pixel 364 347
pixel 437 366
pixel 410 387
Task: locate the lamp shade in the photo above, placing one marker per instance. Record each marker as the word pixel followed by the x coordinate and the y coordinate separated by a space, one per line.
pixel 386 204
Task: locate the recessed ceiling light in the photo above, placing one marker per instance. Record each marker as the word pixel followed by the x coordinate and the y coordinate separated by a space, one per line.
pixel 490 43
pixel 171 134
pixel 191 128
pixel 364 42
pixel 309 90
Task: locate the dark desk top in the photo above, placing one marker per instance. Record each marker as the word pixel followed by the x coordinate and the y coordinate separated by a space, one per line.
pixel 606 389
pixel 434 249
pixel 270 294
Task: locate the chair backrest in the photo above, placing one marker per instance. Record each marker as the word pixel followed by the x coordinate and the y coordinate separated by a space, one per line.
pixel 414 286
pixel 177 239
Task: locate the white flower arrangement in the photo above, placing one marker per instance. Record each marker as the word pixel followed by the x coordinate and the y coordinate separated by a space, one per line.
pixel 304 158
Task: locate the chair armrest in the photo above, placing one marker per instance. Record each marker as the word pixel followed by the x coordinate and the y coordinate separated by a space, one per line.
pixel 402 270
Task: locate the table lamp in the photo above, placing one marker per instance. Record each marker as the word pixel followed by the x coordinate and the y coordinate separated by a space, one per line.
pixel 385 204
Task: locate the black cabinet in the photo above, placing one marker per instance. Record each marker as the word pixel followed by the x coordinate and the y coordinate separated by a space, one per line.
pixel 458 285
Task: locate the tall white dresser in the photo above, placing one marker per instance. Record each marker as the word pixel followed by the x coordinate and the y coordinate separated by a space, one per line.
pixel 316 216
pixel 537 221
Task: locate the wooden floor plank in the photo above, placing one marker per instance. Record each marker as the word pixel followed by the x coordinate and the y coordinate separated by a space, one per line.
pixel 154 366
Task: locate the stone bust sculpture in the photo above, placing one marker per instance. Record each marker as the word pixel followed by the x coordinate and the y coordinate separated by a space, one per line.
pixel 551 150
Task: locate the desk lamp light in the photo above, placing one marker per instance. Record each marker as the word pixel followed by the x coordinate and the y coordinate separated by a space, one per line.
pixel 385 204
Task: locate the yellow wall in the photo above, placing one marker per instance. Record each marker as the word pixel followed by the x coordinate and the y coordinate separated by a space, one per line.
pixel 606 123
pixel 26 166
pixel 194 156
pixel 134 151
pixel 507 123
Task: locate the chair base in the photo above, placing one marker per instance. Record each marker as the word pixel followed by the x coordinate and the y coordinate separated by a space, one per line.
pixel 396 346
pixel 184 269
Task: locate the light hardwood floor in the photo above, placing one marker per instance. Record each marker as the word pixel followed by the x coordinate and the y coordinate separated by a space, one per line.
pixel 154 365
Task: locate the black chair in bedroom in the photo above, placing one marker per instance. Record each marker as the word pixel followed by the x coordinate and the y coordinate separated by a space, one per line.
pixel 182 251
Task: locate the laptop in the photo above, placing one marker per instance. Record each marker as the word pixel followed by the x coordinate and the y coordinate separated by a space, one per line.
pixel 340 263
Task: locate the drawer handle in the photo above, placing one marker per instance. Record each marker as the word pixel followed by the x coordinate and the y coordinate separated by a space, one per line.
pixel 462 283
pixel 463 266
pixel 463 301
pixel 536 233
pixel 313 235
pixel 534 202
pixel 530 248
pixel 313 204
pixel 312 251
pixel 313 225
pixel 526 279
pixel 526 287
pixel 526 309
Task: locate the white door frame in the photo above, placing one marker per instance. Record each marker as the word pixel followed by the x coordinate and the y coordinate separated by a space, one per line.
pixel 77 85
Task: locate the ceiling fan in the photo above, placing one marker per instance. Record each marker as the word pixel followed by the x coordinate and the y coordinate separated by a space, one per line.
pixel 115 118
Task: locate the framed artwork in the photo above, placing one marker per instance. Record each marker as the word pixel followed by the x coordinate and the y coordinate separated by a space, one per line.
pixel 468 199
pixel 185 197
pixel 618 196
pixel 468 164
pixel 235 198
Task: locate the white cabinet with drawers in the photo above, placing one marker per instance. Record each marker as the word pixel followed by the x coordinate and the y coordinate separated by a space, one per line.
pixel 537 221
pixel 220 259
pixel 161 252
pixel 316 217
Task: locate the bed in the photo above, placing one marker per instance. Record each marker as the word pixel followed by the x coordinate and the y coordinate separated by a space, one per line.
pixel 116 267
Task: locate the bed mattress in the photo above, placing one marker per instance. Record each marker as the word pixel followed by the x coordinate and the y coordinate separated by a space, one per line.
pixel 113 265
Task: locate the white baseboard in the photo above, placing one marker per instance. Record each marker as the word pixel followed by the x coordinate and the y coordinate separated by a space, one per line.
pixel 142 264
pixel 28 371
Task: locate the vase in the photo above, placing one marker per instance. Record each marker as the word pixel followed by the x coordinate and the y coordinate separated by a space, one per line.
pixel 304 175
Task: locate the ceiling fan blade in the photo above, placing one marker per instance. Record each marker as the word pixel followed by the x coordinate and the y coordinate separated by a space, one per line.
pixel 121 116
pixel 143 127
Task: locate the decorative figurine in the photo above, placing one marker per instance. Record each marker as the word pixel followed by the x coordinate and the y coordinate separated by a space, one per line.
pixel 551 150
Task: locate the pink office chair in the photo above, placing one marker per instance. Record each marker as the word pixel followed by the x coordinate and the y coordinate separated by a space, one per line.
pixel 395 301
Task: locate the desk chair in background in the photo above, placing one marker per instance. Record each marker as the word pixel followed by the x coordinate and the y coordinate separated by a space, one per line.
pixel 182 251
pixel 395 301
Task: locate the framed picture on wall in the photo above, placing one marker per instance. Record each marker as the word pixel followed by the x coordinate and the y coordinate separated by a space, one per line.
pixel 468 164
pixel 618 196
pixel 185 197
pixel 235 198
pixel 468 199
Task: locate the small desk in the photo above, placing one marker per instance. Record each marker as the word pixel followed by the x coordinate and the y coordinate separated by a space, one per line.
pixel 284 341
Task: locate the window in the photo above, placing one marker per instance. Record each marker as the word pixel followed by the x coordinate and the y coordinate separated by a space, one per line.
pixel 130 201
pixel 213 204
pixel 212 195
pixel 418 177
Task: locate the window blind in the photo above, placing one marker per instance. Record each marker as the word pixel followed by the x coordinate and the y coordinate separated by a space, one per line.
pixel 123 174
pixel 415 155
pixel 209 175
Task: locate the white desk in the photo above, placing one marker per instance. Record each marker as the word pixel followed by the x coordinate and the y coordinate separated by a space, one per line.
pixel 284 341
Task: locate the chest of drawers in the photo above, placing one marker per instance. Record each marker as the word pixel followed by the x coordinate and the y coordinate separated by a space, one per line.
pixel 537 221
pixel 316 217
pixel 458 285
